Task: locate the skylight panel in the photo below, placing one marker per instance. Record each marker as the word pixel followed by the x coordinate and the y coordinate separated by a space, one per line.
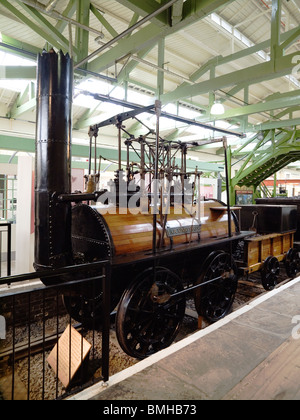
pixel 7 59
pixel 15 85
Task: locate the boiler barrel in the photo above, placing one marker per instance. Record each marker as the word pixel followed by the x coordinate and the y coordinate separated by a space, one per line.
pixel 53 147
pixel 97 233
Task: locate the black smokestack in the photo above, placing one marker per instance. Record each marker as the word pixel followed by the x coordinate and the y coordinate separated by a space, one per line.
pixel 53 150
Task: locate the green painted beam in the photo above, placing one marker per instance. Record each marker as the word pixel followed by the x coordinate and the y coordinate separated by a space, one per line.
pixel 270 125
pixel 146 7
pixel 18 46
pixel 284 149
pixel 290 99
pixel 45 25
pixel 220 60
pixel 52 39
pixel 264 45
pixel 275 29
pixel 103 21
pixel 128 68
pixel 193 11
pixel 134 20
pixel 28 145
pixel 212 63
pixel 177 12
pixel 82 35
pixel 160 74
pixel 251 140
pixel 251 75
pixel 291 39
pixel 287 111
pixel 6 159
pixel 18 72
pixel 142 39
pixel 83 121
pixel 19 110
pixel 68 13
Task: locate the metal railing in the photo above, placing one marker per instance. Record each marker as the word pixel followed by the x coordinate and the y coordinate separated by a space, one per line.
pixel 36 320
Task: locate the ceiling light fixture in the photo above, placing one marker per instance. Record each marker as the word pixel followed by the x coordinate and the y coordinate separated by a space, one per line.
pixel 217 108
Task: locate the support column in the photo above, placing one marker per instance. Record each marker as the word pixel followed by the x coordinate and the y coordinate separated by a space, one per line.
pixel 275 29
pixel 82 36
pixel 230 179
pixel 275 185
pixel 25 216
pixel 161 62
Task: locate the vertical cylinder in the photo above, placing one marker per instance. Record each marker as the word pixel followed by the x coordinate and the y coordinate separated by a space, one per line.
pixel 53 154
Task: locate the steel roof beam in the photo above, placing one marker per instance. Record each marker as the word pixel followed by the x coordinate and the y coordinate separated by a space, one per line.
pixel 44 24
pixel 46 34
pixel 22 49
pixel 146 7
pixel 291 39
pixel 66 14
pixel 269 125
pixel 177 12
pixel 289 99
pixel 18 72
pixel 28 145
pixel 103 21
pixel 255 74
pixel 193 10
pixel 220 60
pixel 275 29
pixel 124 34
pixel 82 35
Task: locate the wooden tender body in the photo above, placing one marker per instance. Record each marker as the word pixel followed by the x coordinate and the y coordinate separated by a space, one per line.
pixel 259 248
pixel 275 228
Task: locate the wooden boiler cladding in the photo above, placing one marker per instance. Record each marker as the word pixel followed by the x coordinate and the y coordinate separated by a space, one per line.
pixel 124 233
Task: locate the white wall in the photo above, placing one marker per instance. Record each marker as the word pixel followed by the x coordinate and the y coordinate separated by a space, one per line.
pixel 24 222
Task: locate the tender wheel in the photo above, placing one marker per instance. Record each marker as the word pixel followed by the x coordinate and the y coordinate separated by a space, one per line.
pixel 270 273
pixel 85 304
pixel 148 317
pixel 83 308
pixel 292 262
pixel 214 300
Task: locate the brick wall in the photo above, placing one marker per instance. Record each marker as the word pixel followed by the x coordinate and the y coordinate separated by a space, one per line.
pixel 33 306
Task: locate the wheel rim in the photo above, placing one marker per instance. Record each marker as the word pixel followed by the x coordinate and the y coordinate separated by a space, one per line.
pixel 148 319
pixel 292 262
pixel 270 273
pixel 84 309
pixel 84 304
pixel 214 300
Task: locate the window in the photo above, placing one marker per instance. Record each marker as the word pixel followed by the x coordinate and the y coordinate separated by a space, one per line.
pixel 8 201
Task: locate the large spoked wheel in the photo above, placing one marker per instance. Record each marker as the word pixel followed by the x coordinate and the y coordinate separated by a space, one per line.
pixel 270 273
pixel 149 317
pixel 84 304
pixel 292 262
pixel 214 300
pixel 84 307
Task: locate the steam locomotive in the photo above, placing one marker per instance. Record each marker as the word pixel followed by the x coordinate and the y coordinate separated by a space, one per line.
pixel 165 246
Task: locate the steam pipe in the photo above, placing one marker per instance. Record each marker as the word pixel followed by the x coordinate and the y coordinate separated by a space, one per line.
pixel 53 151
